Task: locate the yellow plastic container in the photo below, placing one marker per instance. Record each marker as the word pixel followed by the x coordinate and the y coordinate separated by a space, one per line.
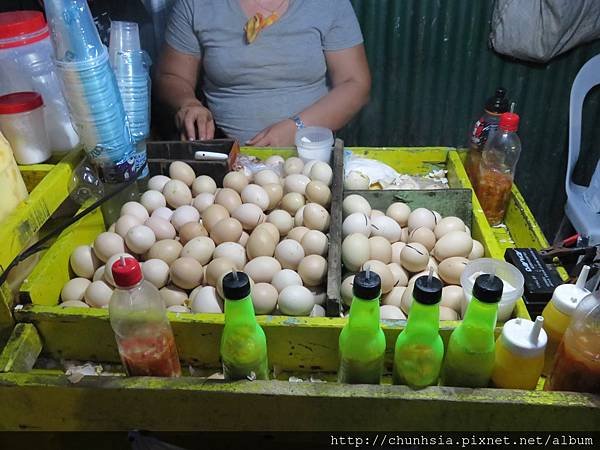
pixel 519 355
pixel 12 186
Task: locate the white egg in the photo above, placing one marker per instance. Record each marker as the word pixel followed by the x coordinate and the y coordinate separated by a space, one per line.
pixel 98 294
pixel 163 213
pixel 424 236
pixel 380 249
pixel 386 227
pixel 135 209
pixel 355 204
pixel 236 181
pixel 161 228
pixel 282 220
pixel 249 215
pixel 299 217
pixel 477 252
pixel 253 193
pixel 376 213
pixel 450 269
pixel 99 274
pixel 319 294
pixel 422 217
pixel 315 217
pixel 317 311
pixel 172 295
pixel 157 182
pixel 200 248
pixel 396 250
pixel 355 251
pixel 228 198
pixel 448 224
pixel 394 297
pixel 233 252
pixel 313 270
pixel 293 165
pixel 285 278
pixel 275 160
pixel 264 298
pixel 125 223
pixel 454 243
pixel 399 212
pixel 262 269
pixel 308 167
pixel 266 176
pixel 107 244
pixel 356 223
pixel 204 183
pixel 74 290
pixel 296 301
pixel 321 171
pixel 315 242
pixel 289 253
pixel 184 214
pixel 318 192
pixel 186 273
pixel 292 202
pixel 203 201
pixel 297 233
pixel 74 304
pixel 108 276
pixel 356 181
pixel 152 200
pixel 140 239
pixel 391 312
pixel 400 275
pixel 206 300
pixel 296 183
pixel 414 257
pixel 179 170
pixel 156 271
pixel 346 290
pixel 177 193
pixel 84 261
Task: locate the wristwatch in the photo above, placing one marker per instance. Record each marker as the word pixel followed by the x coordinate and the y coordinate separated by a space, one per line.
pixel 298 121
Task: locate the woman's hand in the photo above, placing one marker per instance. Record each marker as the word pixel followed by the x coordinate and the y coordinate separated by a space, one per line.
pixel 195 122
pixel 281 134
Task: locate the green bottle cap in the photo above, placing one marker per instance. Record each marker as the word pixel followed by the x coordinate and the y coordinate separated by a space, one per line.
pixel 367 285
pixel 488 288
pixel 236 286
pixel 428 290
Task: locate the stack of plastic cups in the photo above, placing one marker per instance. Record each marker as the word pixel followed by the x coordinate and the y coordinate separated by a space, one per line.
pixel 90 88
pixel 131 67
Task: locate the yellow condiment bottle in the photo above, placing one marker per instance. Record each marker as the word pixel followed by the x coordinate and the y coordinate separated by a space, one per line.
pixel 519 354
pixel 557 314
pixel 12 187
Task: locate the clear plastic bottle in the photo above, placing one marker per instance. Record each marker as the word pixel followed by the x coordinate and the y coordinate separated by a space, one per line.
pixel 497 168
pixel 471 350
pixel 519 354
pixel 419 349
pixel 243 342
pixel 558 312
pixel 139 319
pixel 494 107
pixel 577 362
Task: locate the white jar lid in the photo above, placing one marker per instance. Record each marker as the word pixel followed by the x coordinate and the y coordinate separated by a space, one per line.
pixel 524 337
pixel 566 297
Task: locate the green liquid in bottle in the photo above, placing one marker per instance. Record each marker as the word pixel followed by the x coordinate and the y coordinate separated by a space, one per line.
pixel 243 342
pixel 471 351
pixel 419 349
pixel 362 342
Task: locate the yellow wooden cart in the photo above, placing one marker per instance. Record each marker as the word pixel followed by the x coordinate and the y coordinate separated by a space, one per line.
pixel 302 351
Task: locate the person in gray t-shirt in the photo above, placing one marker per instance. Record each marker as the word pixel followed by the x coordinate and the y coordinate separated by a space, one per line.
pixel 306 68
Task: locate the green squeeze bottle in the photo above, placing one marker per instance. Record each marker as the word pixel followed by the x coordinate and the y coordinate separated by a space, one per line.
pixel 471 351
pixel 419 349
pixel 362 342
pixel 243 343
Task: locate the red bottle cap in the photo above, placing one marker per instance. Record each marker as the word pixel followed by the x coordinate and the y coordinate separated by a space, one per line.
pixel 18 28
pixel 20 102
pixel 509 122
pixel 127 272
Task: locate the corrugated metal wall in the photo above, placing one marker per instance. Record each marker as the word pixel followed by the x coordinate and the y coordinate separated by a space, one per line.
pixel 432 71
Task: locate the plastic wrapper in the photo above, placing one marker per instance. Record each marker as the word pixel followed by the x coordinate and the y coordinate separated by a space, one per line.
pixel 251 165
pixel 382 176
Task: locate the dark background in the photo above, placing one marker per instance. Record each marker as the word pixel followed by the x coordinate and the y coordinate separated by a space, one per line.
pixel 432 71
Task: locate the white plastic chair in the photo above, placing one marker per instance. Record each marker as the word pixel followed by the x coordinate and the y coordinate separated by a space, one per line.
pixel 583 202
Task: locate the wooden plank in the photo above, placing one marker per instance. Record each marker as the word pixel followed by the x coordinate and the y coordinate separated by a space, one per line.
pixel 22 349
pixel 334 256
pixel 201 404
pixel 34 174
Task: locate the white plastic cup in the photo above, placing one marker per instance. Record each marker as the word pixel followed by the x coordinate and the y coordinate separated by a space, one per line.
pixel 124 37
pixel 503 270
pixel 22 123
pixel 314 143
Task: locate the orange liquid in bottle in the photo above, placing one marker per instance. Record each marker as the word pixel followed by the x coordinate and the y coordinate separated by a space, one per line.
pixel 576 367
pixel 154 356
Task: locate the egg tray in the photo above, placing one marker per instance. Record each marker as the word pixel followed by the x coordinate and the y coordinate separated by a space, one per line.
pixel 198 334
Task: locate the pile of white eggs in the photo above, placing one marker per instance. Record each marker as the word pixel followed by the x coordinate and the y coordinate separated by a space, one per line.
pixel 400 245
pixel 272 225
